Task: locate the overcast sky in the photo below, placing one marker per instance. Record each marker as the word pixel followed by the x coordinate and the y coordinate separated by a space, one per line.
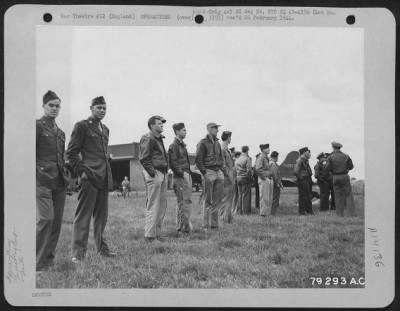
pixel 290 87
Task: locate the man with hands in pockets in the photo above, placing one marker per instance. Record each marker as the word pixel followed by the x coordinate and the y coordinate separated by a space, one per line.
pixel 154 159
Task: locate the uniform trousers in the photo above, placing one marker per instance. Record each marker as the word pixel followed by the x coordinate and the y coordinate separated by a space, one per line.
pixel 93 202
pixel 227 201
pixel 156 204
pixel 275 198
pixel 183 192
pixel 49 212
pixel 213 194
pixel 344 199
pixel 266 195
pixel 305 195
pixel 244 198
pixel 324 195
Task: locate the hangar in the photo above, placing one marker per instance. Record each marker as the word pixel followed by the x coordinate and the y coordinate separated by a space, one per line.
pixel 125 162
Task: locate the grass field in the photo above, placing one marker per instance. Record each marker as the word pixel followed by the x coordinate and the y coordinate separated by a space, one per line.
pixel 284 251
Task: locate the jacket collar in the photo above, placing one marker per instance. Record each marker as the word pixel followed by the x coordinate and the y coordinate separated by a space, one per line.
pixel 179 142
pixel 50 122
pixel 160 137
pixel 211 138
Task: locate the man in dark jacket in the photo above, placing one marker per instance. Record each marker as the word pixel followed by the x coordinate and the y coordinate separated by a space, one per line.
pixel 182 180
pixel 89 157
pixel 210 162
pixel 339 164
pixel 323 176
pixel 154 159
pixel 302 171
pixel 51 181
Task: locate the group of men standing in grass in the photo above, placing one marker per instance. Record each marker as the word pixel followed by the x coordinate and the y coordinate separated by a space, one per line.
pixel 226 186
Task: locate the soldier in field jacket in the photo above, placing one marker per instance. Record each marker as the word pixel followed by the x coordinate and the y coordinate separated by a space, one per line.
pixel 51 181
pixel 210 162
pixel 179 162
pixel 303 173
pixel 154 159
pixel 339 164
pixel 89 158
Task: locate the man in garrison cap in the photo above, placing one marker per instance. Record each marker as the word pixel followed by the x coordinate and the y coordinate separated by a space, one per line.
pixel 180 165
pixel 89 157
pixel 229 178
pixel 323 177
pixel 265 180
pixel 339 164
pixel 210 162
pixel 51 181
pixel 303 173
pixel 276 177
pixel 154 159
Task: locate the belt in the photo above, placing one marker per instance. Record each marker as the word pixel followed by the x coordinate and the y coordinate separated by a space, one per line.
pixel 340 173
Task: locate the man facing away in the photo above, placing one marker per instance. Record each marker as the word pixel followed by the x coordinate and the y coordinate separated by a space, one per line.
pixel 182 180
pixel 244 180
pixel 229 178
pixel 303 173
pixel 89 157
pixel 276 177
pixel 154 159
pixel 265 181
pixel 51 181
pixel 339 163
pixel 210 162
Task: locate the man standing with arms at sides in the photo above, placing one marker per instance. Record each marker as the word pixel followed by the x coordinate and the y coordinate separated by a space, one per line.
pixel 229 178
pixel 322 175
pixel 265 180
pixel 51 181
pixel 154 159
pixel 89 157
pixel 244 181
pixel 340 164
pixel 210 162
pixel 303 173
pixel 180 165
pixel 276 177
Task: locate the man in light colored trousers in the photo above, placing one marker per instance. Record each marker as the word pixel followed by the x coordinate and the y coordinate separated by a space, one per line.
pixel 180 165
pixel 265 180
pixel 210 162
pixel 229 179
pixel 154 159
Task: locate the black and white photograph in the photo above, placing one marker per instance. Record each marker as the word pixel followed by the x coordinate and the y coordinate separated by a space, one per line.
pixel 201 157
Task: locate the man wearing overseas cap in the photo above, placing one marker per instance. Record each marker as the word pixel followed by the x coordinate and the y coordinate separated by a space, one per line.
pixel 276 177
pixel 265 180
pixel 89 157
pixel 339 163
pixel 210 162
pixel 51 181
pixel 323 177
pixel 154 159
pixel 229 178
pixel 303 173
pixel 180 165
